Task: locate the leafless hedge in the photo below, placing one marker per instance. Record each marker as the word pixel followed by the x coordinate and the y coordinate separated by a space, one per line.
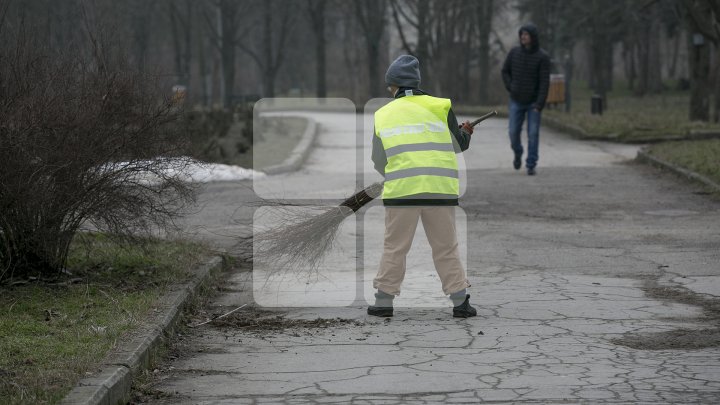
pixel 82 141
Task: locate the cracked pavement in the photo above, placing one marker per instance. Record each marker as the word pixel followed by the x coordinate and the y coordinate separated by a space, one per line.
pixel 565 267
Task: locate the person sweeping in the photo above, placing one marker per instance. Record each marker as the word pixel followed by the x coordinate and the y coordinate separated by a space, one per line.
pixel 415 141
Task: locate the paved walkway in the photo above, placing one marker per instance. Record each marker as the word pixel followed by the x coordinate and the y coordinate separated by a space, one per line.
pixel 595 281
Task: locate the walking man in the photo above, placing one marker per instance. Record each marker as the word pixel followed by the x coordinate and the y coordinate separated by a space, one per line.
pixel 526 74
pixel 415 140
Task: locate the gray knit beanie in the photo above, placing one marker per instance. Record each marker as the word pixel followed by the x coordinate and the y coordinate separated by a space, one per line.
pixel 404 72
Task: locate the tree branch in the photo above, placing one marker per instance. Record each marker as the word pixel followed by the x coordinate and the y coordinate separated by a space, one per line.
pixel 405 44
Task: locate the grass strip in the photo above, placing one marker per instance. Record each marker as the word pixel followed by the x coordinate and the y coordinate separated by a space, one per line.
pixel 52 334
pixel 702 157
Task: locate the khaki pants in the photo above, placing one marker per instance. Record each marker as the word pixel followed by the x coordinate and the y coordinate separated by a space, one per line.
pixel 439 224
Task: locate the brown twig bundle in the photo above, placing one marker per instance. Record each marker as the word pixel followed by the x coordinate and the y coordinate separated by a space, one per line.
pixel 304 236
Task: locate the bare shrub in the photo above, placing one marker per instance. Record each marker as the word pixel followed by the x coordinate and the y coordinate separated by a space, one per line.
pixel 82 141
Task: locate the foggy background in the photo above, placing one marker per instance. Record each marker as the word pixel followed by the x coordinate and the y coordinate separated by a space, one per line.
pixel 228 51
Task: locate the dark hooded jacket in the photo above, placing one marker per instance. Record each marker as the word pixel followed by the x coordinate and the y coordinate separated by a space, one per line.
pixel 526 72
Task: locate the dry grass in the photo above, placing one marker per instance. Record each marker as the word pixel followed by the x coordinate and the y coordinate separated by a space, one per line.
pixel 702 157
pixel 53 335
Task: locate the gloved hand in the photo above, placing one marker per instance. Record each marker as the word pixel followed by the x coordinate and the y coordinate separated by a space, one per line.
pixel 467 127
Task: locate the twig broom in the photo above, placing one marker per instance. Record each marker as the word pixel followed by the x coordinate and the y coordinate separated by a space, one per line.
pixel 304 238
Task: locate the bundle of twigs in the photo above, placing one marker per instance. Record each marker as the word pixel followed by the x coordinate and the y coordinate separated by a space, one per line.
pixel 307 233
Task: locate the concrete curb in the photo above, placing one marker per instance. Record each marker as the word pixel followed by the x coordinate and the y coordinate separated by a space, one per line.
pixel 112 385
pixel 644 157
pixel 299 154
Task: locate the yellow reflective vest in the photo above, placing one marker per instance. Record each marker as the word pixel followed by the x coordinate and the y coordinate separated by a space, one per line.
pixel 421 161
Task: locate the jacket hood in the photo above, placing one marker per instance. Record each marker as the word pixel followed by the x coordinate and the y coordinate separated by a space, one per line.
pixel 531 29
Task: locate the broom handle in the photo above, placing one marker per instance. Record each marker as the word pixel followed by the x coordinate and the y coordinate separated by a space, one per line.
pixel 483 118
pixel 358 200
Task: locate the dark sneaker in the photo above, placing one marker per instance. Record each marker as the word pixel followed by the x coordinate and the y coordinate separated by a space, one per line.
pixel 464 310
pixel 531 171
pixel 517 162
pixel 380 311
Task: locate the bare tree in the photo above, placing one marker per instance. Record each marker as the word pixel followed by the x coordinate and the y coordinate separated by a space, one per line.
pixel 703 17
pixel 443 30
pixel 371 15
pixel 597 21
pixel 643 41
pixel 276 27
pixel 485 14
pixel 351 45
pixel 449 44
pixel 416 14
pixel 139 16
pixel 224 31
pixel 316 14
pixel 182 14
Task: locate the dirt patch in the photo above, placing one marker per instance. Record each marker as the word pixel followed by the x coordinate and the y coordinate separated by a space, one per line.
pixel 677 338
pixel 674 339
pixel 257 321
pixel 682 295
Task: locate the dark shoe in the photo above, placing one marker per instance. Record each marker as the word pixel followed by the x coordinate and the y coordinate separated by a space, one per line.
pixel 517 162
pixel 380 311
pixel 464 310
pixel 531 171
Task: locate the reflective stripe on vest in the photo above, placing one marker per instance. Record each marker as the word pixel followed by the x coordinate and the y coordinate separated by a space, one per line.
pixel 419 171
pixel 418 146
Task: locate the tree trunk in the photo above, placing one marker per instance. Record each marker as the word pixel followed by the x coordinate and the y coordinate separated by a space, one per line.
pixel 629 62
pixel 591 63
pixel 228 51
pixel 654 71
pixel 603 81
pixel 642 47
pixel 205 75
pixel 269 71
pixel 175 33
pixel 321 61
pixel 316 11
pixel 187 72
pixel 599 43
pixel 699 55
pixel 422 49
pixel 374 78
pixel 485 17
pixel 716 113
pixel 141 34
pixel 269 83
pixel 599 66
pixel 610 65
pixel 371 15
pixel 181 31
pixel 672 68
pixel 568 81
pixel 422 25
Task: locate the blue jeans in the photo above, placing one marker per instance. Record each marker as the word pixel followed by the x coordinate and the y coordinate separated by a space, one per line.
pixel 517 117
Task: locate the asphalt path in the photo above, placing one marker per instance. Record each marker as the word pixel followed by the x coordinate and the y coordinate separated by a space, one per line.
pixel 597 280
